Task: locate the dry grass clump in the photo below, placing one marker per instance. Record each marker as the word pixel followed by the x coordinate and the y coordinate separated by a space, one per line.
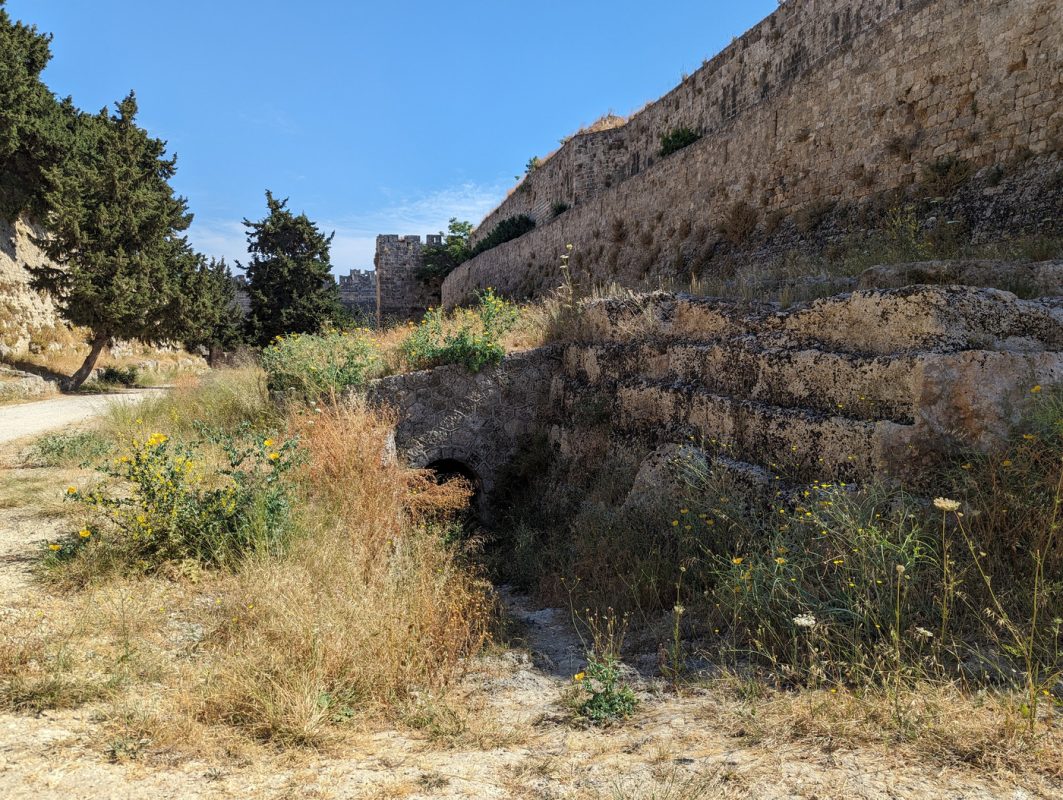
pixel 223 400
pixel 941 721
pixel 371 602
pixel 371 605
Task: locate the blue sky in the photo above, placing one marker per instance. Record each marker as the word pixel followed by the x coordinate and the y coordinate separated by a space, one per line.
pixel 371 117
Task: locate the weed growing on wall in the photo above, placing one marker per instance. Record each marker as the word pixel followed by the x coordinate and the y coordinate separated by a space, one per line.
pixel 676 140
pixel 506 230
pixel 475 343
pixel 313 367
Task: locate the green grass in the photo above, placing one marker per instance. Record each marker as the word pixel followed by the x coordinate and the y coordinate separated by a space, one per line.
pixel 68 449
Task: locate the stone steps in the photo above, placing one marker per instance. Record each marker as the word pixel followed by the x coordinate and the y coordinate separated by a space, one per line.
pixel 860 387
pixel 799 444
pixel 869 322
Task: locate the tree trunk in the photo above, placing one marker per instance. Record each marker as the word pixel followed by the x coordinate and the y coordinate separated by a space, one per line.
pixel 78 378
pixel 212 355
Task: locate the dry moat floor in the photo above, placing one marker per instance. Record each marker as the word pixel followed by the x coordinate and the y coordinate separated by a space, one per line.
pixel 503 732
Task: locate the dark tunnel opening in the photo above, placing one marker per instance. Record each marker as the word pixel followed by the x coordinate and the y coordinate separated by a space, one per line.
pixel 448 469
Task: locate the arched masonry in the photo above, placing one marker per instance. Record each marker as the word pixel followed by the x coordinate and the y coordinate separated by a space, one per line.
pixel 477 419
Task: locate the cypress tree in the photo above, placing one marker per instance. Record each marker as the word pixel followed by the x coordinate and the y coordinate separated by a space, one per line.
pixel 115 229
pixel 34 127
pixel 215 320
pixel 289 276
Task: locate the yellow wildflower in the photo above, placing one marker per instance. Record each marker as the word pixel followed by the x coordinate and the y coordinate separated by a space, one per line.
pixel 55 547
pixel 84 533
pixel 737 560
pixel 268 443
pixel 1036 389
pixel 579 676
pixel 71 490
pixel 274 456
pixel 780 561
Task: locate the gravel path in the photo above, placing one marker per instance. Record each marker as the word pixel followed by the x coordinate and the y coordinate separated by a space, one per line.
pixel 32 419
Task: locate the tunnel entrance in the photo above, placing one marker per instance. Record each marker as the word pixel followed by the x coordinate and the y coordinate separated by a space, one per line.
pixel 448 469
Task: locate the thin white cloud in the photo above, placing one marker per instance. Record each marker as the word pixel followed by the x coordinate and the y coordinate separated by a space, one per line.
pixel 355 240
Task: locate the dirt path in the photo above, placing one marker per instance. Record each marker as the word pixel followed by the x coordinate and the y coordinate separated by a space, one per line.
pixel 516 740
pixel 32 419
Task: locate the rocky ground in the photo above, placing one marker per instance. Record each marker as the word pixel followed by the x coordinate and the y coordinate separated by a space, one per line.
pixel 504 732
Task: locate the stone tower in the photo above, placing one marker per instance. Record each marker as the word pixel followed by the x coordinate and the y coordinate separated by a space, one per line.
pixel 400 294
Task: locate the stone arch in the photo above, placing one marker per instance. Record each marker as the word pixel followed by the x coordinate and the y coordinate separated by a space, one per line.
pixel 455 461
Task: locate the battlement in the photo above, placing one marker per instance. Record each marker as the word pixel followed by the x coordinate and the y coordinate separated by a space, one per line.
pixel 357 277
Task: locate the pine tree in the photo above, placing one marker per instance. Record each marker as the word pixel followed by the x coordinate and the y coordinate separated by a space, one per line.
pixel 115 228
pixel 290 283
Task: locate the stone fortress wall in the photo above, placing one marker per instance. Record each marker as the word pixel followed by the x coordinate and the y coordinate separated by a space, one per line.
pixel 358 292
pixel 826 104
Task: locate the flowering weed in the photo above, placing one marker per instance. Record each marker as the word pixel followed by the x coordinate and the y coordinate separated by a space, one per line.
pixel 167 501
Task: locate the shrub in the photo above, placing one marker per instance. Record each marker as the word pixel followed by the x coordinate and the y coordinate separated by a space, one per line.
pixel 558 208
pixel 739 222
pixel 598 694
pixel 506 230
pixel 813 215
pixel 169 504
pixel 601 696
pixel 837 587
pixel 476 342
pixel 119 376
pixel 943 177
pixel 311 367
pixel 677 139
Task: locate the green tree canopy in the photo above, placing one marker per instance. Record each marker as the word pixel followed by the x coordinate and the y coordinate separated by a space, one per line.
pixel 439 260
pixel 289 276
pixel 214 319
pixel 34 127
pixel 115 225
